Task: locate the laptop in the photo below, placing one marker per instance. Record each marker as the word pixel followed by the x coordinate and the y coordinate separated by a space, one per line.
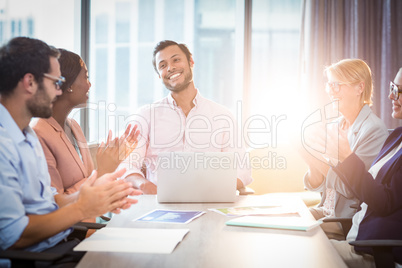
pixel 187 177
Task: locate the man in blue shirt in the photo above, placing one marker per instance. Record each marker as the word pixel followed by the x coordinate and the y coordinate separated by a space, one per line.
pixel 33 216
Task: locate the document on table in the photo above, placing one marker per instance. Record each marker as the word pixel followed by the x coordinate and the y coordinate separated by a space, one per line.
pixel 134 240
pixel 290 223
pixel 274 210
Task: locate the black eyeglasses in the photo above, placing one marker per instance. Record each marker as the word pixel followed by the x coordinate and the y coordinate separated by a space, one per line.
pixel 58 81
pixel 395 90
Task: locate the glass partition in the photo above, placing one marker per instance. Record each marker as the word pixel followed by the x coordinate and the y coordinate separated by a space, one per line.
pixel 123 35
pixel 273 94
pixel 57 22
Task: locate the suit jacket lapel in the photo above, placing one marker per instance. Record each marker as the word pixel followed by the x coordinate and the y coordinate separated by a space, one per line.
pixel 395 140
pixel 69 145
pixel 390 164
pixel 83 147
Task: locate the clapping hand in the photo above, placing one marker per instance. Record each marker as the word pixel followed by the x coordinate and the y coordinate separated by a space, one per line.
pixel 339 148
pixel 105 194
pixel 111 154
pixel 329 141
pixel 128 142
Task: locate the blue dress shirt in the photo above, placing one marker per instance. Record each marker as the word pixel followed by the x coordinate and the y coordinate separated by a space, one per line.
pixel 24 183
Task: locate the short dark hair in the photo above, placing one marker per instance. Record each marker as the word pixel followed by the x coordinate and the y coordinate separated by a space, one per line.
pixel 22 55
pixel 167 43
pixel 70 67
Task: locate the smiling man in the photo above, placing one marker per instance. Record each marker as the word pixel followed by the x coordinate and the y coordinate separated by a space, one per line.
pixel 183 121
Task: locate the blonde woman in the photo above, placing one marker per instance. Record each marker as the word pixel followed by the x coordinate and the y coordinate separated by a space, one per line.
pixel 350 85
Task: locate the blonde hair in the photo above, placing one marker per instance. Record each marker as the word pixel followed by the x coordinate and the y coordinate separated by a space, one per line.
pixel 354 71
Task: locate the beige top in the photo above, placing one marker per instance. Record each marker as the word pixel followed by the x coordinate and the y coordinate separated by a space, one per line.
pixel 66 169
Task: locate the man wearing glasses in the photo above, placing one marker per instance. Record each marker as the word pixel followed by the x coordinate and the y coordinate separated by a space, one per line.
pixel 30 218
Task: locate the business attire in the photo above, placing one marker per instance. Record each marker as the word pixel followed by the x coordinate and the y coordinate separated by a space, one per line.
pixel 381 191
pixel 24 183
pixel 69 162
pixel 366 136
pixel 208 127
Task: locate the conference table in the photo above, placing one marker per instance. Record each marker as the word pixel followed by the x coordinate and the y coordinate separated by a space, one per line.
pixel 210 243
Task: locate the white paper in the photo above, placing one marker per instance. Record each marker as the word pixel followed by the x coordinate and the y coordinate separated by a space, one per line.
pixel 257 211
pixel 291 223
pixel 138 240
